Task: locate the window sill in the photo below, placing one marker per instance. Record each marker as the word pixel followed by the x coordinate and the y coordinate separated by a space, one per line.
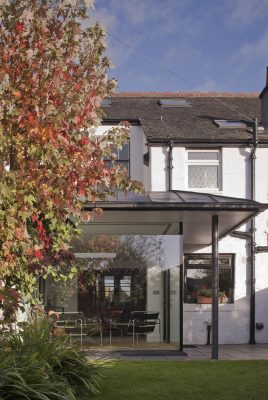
pixel 215 191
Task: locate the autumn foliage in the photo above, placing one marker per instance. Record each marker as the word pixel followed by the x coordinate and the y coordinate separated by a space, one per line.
pixel 53 76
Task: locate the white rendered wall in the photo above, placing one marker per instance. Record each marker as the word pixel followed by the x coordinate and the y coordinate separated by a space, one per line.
pixel 234 318
pixel 170 260
pixel 155 298
pixel 158 168
pixel 235 182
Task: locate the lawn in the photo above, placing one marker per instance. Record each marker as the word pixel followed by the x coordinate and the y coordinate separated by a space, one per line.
pixel 185 380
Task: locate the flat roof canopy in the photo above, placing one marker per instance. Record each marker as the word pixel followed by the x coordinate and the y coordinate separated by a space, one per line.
pixel 163 213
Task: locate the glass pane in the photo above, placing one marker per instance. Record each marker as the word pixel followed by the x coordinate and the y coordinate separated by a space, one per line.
pixel 206 260
pixel 125 164
pixel 205 176
pixel 230 124
pixel 175 103
pixel 198 279
pixel 200 261
pixel 109 287
pixel 123 154
pixel 125 286
pixel 225 282
pixel 203 155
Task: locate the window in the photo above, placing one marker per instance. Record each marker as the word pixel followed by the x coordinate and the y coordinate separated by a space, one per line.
pixel 106 103
pixel 178 102
pixel 203 169
pixel 224 123
pixel 198 276
pixel 122 156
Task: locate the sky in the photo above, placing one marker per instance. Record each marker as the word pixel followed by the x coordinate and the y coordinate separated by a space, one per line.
pixel 186 45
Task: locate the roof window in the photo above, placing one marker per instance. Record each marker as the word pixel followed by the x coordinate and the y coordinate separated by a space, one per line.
pixel 178 102
pixel 106 103
pixel 260 128
pixel 229 124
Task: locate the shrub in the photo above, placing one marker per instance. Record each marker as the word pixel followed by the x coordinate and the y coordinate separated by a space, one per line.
pixel 34 366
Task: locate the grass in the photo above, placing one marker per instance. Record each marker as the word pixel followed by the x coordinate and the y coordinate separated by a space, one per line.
pixel 186 380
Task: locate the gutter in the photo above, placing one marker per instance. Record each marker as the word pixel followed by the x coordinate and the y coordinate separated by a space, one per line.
pixel 205 142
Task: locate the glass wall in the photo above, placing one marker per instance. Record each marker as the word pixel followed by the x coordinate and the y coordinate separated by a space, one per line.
pixel 122 274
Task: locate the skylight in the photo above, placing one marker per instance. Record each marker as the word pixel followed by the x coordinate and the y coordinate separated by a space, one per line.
pixel 225 123
pixel 106 103
pixel 260 128
pixel 178 102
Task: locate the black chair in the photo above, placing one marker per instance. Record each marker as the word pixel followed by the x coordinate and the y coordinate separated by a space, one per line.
pixel 143 323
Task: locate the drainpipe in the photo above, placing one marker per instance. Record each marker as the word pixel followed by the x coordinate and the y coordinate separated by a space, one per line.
pixel 252 241
pixel 170 163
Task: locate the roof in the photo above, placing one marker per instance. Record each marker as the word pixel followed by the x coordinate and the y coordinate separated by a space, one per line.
pixel 263 91
pixel 188 124
pixel 163 213
pixel 179 199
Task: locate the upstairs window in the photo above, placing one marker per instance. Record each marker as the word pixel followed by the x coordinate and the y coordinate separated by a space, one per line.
pixel 122 157
pixel 203 169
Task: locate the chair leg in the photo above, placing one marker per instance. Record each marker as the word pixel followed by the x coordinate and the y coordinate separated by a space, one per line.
pixel 133 335
pixel 101 337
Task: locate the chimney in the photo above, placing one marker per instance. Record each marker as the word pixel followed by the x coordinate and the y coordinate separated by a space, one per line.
pixel 264 103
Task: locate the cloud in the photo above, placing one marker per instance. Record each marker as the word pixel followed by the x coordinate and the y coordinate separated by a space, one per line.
pixel 182 53
pixel 102 15
pixel 250 52
pixel 243 13
pixel 208 85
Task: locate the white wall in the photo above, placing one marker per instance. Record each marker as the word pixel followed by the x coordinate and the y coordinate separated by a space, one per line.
pixel 155 298
pixel 158 168
pixel 235 181
pixel 235 178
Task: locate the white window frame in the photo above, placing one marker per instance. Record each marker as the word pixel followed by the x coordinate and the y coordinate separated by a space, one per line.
pixel 205 162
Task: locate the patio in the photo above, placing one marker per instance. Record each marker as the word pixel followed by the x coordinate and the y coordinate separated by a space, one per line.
pixel 226 352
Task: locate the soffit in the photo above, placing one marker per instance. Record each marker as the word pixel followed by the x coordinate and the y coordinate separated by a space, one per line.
pixel 162 213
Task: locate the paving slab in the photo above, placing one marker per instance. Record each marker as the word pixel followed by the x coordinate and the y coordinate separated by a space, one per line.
pixel 226 352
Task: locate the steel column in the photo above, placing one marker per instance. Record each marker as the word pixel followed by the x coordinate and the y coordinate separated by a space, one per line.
pixel 215 289
pixel 181 306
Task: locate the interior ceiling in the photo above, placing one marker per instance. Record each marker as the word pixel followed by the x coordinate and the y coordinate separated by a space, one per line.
pixel 197 225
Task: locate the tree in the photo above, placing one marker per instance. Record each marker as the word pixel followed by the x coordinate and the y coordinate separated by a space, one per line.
pixel 53 75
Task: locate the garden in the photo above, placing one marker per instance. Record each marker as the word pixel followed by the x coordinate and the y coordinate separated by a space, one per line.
pixel 187 380
pixel 36 365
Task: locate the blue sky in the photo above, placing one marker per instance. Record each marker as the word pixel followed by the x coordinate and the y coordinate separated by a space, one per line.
pixel 215 45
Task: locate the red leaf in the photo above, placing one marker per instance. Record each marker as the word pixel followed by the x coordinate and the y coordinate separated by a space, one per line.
pixel 19 27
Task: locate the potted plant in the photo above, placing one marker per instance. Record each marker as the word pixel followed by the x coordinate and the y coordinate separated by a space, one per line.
pixel 223 298
pixel 204 296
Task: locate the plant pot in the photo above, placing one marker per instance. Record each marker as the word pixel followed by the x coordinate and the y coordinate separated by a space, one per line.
pixel 204 300
pixel 224 300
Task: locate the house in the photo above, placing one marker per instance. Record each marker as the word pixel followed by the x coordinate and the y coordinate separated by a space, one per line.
pixel 203 160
